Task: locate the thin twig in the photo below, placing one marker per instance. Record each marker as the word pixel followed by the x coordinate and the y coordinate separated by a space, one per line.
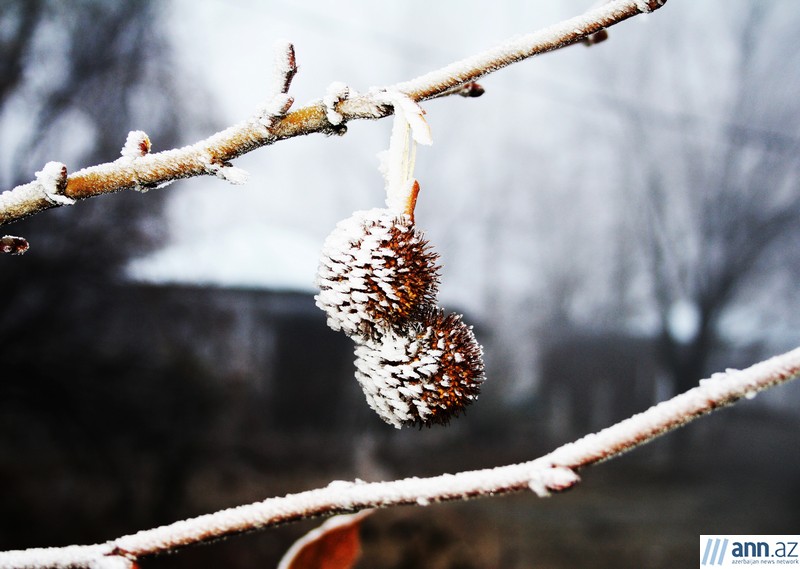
pixel 553 472
pixel 275 122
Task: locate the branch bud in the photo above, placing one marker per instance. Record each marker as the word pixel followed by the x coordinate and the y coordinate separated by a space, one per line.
pixel 13 245
pixel 136 145
pixel 53 181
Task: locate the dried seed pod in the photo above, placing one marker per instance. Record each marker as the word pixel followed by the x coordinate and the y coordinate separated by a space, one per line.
pixel 376 272
pixel 425 375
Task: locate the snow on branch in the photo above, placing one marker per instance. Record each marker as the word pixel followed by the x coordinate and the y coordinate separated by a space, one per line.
pixel 144 170
pixel 554 472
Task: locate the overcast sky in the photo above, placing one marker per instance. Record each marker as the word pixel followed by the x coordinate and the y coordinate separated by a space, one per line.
pixel 306 185
pixel 521 188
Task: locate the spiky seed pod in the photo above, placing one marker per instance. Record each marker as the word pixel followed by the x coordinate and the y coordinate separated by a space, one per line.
pixel 376 272
pixel 425 375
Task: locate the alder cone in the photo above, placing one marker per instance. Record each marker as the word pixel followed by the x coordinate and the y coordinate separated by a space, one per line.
pixel 423 376
pixel 377 272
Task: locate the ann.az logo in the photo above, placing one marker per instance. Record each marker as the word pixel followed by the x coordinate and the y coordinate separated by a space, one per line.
pixel 716 549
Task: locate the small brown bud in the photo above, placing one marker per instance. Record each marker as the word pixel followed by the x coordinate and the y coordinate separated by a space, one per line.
pixel 13 245
pixel 471 89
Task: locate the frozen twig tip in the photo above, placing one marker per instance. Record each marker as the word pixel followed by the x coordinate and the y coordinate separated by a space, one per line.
pixel 407 108
pixel 285 67
pixel 136 145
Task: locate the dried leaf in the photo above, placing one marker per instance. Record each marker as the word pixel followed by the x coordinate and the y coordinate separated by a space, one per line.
pixel 333 545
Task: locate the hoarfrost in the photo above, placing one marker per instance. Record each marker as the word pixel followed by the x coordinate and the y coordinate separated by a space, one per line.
pixel 545 481
pixel 52 180
pixel 136 145
pixel 335 93
pixel 409 110
pixel 227 172
pixel 284 68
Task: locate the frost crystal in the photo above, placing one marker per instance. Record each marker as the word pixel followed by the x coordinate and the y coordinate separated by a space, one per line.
pixel 553 479
pixel 335 93
pixel 53 181
pixel 409 110
pixel 423 375
pixel 136 145
pixel 376 271
pixel 284 68
pixel 227 172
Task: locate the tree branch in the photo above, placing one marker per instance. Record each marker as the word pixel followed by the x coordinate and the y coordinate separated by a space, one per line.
pixel 553 472
pixel 274 123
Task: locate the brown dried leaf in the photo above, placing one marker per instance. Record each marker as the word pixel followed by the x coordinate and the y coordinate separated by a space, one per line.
pixel 333 545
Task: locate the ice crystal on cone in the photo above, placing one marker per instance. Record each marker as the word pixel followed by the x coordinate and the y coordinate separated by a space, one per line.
pixel 376 272
pixel 425 375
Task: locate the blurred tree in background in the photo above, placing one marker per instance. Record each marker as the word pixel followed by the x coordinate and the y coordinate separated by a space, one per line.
pixel 75 78
pixel 715 235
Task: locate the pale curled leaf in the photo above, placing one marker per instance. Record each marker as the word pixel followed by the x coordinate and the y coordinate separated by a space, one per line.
pixel 409 109
pixel 333 545
pixel 397 163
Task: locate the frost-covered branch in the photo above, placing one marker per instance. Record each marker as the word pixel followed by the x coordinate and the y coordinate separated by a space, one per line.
pixel 553 472
pixel 274 122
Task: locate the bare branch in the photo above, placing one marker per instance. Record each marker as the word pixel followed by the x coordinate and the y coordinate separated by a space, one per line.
pixel 273 123
pixel 553 472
